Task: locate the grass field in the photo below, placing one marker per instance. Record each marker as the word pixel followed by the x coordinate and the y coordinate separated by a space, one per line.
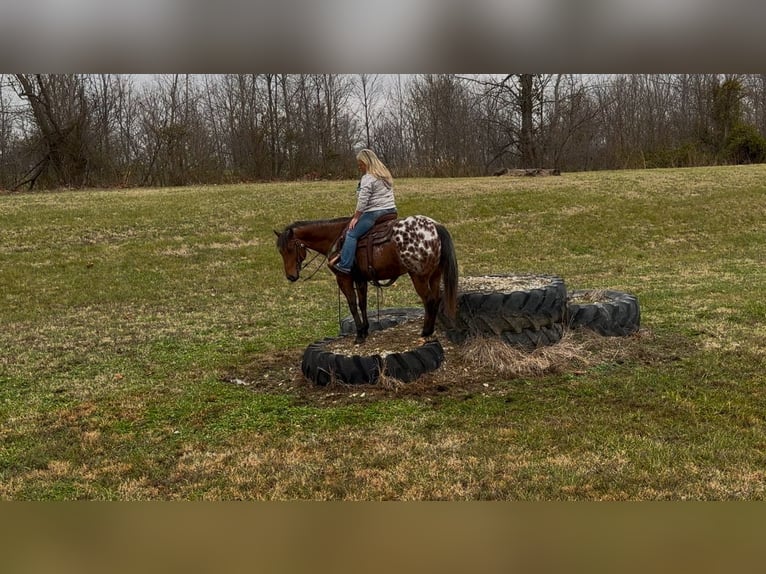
pixel 150 347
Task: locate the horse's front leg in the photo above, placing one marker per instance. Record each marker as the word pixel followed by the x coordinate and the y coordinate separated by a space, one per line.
pixel 346 285
pixel 362 330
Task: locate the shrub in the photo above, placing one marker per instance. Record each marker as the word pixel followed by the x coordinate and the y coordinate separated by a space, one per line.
pixel 745 145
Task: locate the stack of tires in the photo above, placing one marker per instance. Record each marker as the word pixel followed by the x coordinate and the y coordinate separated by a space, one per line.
pixel 531 311
pixel 525 311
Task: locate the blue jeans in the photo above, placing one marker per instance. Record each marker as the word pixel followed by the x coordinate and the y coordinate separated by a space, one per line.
pixel 363 225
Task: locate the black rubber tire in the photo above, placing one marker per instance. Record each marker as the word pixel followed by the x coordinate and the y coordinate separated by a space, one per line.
pixel 530 339
pixel 515 310
pixel 615 314
pixel 526 339
pixel 389 317
pixel 411 365
pixel 321 366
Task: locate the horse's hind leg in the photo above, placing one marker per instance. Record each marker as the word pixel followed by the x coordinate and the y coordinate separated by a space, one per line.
pixel 363 328
pixel 430 299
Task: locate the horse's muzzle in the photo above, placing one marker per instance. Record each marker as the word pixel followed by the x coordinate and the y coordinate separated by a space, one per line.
pixel 292 278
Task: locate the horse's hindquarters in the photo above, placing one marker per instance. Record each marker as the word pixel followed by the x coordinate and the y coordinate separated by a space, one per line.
pixel 417 243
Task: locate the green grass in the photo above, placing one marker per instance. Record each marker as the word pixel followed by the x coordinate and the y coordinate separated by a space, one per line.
pixel 123 312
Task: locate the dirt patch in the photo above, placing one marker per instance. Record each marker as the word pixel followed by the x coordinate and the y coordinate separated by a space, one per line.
pixel 483 366
pixel 398 339
pixel 501 283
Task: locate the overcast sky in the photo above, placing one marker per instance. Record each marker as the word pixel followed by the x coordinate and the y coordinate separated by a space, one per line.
pixel 391 36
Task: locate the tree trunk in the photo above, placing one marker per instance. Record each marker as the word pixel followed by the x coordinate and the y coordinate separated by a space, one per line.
pixel 60 112
pixel 526 101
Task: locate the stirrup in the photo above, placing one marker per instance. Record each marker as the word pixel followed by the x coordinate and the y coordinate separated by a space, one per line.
pixel 340 269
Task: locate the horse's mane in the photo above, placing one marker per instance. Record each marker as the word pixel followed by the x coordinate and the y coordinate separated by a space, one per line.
pixel 317 222
pixel 283 237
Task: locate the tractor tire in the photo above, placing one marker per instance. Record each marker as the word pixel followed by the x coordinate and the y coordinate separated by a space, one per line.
pixel 526 339
pixel 505 305
pixel 323 367
pixel 388 318
pixel 608 313
pixel 530 339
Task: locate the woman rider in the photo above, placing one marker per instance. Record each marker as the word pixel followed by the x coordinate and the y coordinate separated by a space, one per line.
pixel 375 198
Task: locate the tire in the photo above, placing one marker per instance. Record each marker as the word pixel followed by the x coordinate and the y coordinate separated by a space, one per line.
pixel 526 339
pixel 388 318
pixel 321 366
pixel 529 339
pixel 411 365
pixel 499 310
pixel 608 313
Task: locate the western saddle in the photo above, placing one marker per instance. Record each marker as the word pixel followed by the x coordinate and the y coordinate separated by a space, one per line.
pixel 381 232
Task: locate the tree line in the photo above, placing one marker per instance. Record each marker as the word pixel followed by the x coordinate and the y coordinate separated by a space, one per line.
pixel 117 130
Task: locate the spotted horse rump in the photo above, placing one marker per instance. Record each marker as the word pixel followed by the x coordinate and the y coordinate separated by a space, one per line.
pixel 418 243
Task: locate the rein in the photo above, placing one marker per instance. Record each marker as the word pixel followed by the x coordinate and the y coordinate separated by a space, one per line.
pixel 316 254
pixel 301 245
pixel 378 292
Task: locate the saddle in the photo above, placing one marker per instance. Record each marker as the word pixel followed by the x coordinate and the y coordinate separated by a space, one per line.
pixel 381 232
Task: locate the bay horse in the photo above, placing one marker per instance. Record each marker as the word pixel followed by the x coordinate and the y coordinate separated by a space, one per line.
pixel 418 246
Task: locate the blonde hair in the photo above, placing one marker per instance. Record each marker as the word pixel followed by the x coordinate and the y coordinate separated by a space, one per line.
pixel 375 166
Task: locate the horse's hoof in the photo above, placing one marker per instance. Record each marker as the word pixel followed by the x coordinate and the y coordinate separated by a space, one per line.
pixel 359 340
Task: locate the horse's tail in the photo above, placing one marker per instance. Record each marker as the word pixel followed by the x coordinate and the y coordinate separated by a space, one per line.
pixel 448 265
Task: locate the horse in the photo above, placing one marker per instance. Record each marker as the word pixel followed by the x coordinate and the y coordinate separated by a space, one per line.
pixel 418 246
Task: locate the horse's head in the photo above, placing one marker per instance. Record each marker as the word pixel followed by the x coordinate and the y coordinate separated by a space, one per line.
pixel 293 252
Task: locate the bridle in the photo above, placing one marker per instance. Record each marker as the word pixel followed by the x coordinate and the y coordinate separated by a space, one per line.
pixel 300 256
pixel 300 252
pixel 291 242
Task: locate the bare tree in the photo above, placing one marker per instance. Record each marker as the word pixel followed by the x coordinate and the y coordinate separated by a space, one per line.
pixel 570 128
pixel 392 136
pixel 276 119
pixel 516 112
pixel 174 142
pixel 8 121
pixel 59 109
pixel 239 112
pixel 443 125
pixel 368 91
pixel 318 125
pixel 112 112
pixel 754 104
pixel 526 95
pixel 106 129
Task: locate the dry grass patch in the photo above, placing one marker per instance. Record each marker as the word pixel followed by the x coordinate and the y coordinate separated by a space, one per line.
pixel 506 360
pixel 589 296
